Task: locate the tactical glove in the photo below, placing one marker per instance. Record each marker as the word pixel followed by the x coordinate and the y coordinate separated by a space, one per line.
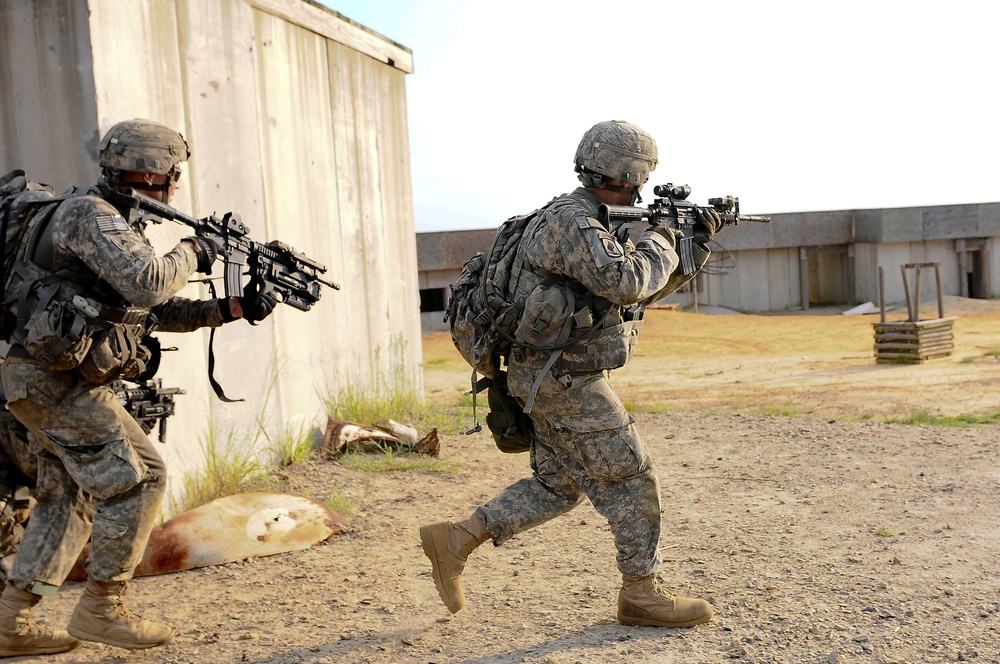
pixel 207 250
pixel 709 223
pixel 256 304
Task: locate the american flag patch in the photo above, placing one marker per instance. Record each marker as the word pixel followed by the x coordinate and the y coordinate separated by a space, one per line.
pixel 111 223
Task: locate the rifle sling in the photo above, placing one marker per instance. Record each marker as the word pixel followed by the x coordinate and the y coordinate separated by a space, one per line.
pixel 211 355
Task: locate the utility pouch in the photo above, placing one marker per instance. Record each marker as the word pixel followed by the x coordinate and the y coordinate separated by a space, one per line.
pixel 512 429
pixel 56 334
pixel 117 352
pixel 546 311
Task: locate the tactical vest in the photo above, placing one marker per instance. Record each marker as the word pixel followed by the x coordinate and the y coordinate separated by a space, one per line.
pixel 65 320
pixel 558 309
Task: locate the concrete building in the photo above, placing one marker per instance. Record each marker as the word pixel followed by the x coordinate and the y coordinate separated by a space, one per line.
pixel 297 120
pixel 797 261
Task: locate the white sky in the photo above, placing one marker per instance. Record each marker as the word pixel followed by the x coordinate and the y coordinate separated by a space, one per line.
pixel 792 106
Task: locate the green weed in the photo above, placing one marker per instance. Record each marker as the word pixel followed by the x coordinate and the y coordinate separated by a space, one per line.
pixel 231 466
pixel 650 408
pixel 883 532
pixel 925 418
pixel 395 396
pixel 290 446
pixel 393 462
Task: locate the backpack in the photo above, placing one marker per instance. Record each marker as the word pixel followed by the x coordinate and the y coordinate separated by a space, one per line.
pixel 481 316
pixel 483 320
pixel 20 201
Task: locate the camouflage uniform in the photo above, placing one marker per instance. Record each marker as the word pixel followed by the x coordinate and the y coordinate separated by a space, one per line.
pixel 584 290
pixel 18 469
pixel 585 441
pixel 89 442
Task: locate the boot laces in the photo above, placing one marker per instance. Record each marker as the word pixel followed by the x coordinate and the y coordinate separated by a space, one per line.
pixel 120 610
pixel 654 583
pixel 25 626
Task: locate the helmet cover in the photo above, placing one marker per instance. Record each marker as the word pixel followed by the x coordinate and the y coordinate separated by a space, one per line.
pixel 618 150
pixel 142 146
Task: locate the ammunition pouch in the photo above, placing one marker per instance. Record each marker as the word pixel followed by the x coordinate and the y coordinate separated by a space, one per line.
pixel 609 348
pixel 54 333
pixel 103 343
pixel 116 352
pixel 510 426
pixel 545 312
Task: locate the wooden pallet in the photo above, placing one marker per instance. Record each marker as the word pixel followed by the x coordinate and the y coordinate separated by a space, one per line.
pixel 912 342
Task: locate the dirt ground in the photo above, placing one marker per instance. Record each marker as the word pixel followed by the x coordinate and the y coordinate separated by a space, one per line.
pixel 819 532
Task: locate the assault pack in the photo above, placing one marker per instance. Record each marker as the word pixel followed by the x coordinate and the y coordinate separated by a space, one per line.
pixel 20 201
pixel 484 320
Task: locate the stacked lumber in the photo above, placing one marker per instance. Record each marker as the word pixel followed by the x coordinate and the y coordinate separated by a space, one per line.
pixel 912 342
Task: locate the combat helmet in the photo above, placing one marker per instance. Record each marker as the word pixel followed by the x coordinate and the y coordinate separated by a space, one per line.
pixel 618 150
pixel 143 146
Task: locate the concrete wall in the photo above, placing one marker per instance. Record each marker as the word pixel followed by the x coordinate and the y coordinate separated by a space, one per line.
pixel 297 120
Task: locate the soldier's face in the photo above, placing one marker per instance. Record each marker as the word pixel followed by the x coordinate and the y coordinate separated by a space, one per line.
pixel 157 186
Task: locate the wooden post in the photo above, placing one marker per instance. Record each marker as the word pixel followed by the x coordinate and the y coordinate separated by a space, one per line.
pixel 881 291
pixel 937 277
pixel 906 289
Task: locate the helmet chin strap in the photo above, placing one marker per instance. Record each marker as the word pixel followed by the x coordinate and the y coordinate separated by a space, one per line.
pixel 632 191
pixel 113 177
pixel 592 179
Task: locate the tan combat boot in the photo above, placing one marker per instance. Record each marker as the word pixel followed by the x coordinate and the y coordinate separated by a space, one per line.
pixel 642 602
pixel 448 545
pixel 102 616
pixel 19 635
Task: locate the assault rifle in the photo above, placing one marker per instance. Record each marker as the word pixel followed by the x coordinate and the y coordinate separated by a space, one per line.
pixel 673 210
pixel 148 403
pixel 292 277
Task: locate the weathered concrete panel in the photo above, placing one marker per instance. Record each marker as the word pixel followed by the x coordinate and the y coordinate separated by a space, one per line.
pixel 48 123
pixel 339 28
pixel 993 263
pixel 779 281
pixel 443 250
pixel 950 221
pixel 989 220
pixel 398 234
pixel 294 108
pixel 893 225
pixel 753 280
pixel 790 230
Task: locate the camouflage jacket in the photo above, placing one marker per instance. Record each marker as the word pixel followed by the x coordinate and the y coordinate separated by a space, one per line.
pixel 572 266
pixel 99 249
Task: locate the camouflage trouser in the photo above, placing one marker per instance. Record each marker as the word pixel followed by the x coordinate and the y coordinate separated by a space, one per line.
pixel 91 446
pixel 18 470
pixel 586 445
